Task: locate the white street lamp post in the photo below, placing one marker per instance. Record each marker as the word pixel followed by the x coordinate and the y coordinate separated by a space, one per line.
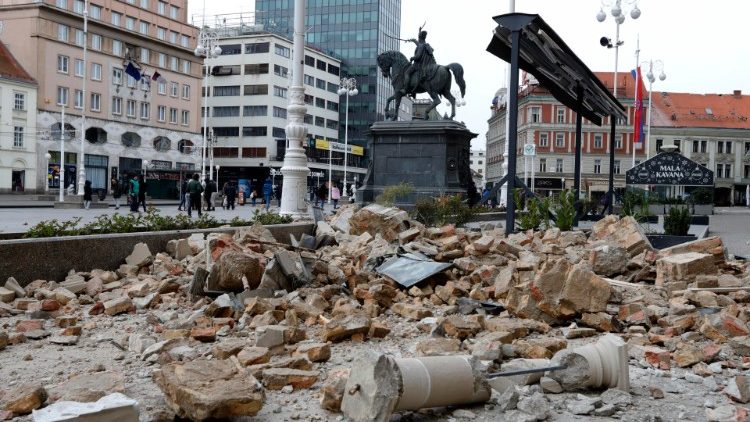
pixel 619 16
pixel 348 88
pixel 81 165
pixel 208 49
pixel 61 171
pixel 659 66
pixel 217 176
pixel 330 171
pixel 145 164
pixel 295 170
pixel 47 156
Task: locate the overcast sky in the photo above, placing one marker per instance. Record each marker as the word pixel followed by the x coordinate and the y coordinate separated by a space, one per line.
pixel 703 46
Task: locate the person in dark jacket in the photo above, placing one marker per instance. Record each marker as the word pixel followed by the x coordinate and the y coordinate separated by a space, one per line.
pixel 87 194
pixel 116 192
pixel 322 194
pixel 230 192
pixel 210 189
pixel 183 195
pixel 267 192
pixel 194 189
pixel 141 193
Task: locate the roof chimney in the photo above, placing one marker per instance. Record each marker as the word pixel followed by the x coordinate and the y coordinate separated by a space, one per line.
pixel 737 93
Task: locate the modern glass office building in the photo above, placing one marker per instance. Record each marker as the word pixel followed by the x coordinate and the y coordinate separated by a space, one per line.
pixel 355 31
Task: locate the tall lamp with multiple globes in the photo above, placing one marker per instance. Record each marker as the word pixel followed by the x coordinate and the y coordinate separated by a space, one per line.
pixel 653 66
pixel 208 49
pixel 348 88
pixel 616 10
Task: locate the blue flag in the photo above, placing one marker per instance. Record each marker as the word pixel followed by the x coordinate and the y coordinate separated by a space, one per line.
pixel 133 71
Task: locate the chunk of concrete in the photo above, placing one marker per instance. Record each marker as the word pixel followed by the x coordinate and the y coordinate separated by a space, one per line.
pixel 115 407
pixel 596 365
pixel 141 255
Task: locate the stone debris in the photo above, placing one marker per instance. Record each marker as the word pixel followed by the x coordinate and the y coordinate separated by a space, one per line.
pixel 221 325
pixel 114 407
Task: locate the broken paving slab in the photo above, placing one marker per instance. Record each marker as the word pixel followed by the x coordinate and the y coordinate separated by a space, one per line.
pixel 409 269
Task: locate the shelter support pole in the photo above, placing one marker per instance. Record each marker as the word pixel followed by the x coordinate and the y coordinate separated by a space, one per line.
pixel 611 192
pixel 512 135
pixel 577 168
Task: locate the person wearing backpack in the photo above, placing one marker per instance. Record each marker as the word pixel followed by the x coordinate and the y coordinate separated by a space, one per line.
pixel 116 192
pixel 194 189
pixel 133 190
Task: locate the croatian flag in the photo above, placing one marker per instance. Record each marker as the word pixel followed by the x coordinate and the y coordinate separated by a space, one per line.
pixel 638 118
pixel 133 71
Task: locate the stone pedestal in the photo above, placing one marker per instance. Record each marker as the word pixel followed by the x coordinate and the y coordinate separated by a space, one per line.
pixel 432 155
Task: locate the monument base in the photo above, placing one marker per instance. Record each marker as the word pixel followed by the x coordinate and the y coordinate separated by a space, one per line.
pixel 431 155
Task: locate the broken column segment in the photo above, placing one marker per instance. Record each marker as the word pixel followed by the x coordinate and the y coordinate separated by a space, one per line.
pixel 595 365
pixel 379 385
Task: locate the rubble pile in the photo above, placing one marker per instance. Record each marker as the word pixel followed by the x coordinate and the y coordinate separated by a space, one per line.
pixel 246 325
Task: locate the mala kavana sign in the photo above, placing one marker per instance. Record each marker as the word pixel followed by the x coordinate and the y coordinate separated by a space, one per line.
pixel 670 168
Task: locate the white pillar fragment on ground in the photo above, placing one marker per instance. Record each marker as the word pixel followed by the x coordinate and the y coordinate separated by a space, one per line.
pixel 380 384
pixel 295 168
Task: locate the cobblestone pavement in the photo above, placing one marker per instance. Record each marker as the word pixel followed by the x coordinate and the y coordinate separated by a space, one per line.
pixel 733 225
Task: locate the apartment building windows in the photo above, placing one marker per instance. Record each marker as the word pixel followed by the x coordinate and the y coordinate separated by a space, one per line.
pixel 80 37
pixel 62 64
pixel 598 142
pixel 62 95
pixel 130 81
pixel 173 37
pixel 96 42
pixel 18 136
pixel 319 102
pixel 559 165
pixel 174 64
pixel 259 110
pixel 19 101
pixel 130 108
pixel 161 33
pixel 161 113
pixel 130 23
pixel 617 167
pixel 279 91
pixel 597 166
pixel 254 131
pixel 724 147
pixel 96 102
pixel 145 111
pixel 162 60
pixel 116 105
pixel 173 116
pixel 62 33
pixel 257 48
pixel 256 90
pixel 543 140
pixel 116 18
pixel 117 48
pixel 226 91
pixel 542 165
pixel 96 71
pixel 62 4
pixel 618 142
pixel 174 89
pixel 309 80
pixel 186 66
pixel 279 112
pixel 116 76
pixel 559 140
pixel 144 4
pixel 185 92
pixel 560 115
pixel 535 114
pixel 184 41
pixel 145 55
pixel 226 111
pixel 95 12
pixel 78 99
pixel 161 88
pixel 174 12
pixel 281 50
pixel 185 117
pixel 659 143
pixel 161 8
pixel 78 6
pixel 280 71
pixel 699 146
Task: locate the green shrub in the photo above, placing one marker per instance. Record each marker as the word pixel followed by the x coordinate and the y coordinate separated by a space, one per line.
pixel 565 210
pixel 442 210
pixel 702 196
pixel 268 218
pixel 392 193
pixel 531 218
pixel 54 228
pixel 677 222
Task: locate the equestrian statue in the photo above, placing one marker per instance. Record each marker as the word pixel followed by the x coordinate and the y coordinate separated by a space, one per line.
pixel 419 74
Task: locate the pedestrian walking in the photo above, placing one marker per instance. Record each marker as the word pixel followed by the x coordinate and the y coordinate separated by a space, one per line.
pixel 253 196
pixel 322 194
pixel 133 188
pixel 353 195
pixel 116 192
pixel 208 194
pixel 141 192
pixel 267 192
pixel 87 194
pixel 230 192
pixel 194 189
pixel 183 195
pixel 335 195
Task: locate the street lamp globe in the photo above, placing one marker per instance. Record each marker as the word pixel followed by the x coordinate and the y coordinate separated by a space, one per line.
pixel 635 13
pixel 354 92
pixel 48 156
pixel 620 19
pixel 342 91
pixel 217 51
pixel 616 10
pixel 200 51
pixel 662 76
pixel 601 16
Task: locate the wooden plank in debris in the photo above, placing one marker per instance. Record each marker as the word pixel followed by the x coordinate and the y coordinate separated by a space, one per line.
pixel 625 284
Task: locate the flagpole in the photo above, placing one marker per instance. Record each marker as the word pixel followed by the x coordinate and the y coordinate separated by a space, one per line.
pixel 636 135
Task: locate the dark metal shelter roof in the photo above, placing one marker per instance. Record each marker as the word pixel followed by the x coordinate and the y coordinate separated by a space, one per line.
pixel 546 56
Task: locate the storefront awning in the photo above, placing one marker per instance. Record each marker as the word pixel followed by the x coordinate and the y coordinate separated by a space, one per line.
pixel 671 169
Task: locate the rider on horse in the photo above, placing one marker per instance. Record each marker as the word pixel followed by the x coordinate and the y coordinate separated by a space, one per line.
pixel 422 63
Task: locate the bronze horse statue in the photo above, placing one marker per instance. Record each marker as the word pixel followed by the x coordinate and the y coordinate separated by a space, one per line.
pixel 393 65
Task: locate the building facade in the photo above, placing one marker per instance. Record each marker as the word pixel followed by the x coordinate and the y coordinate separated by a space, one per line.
pixel 18 135
pixel 356 31
pixel 247 103
pixel 550 126
pixel 711 129
pixel 131 125
pixel 478 165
